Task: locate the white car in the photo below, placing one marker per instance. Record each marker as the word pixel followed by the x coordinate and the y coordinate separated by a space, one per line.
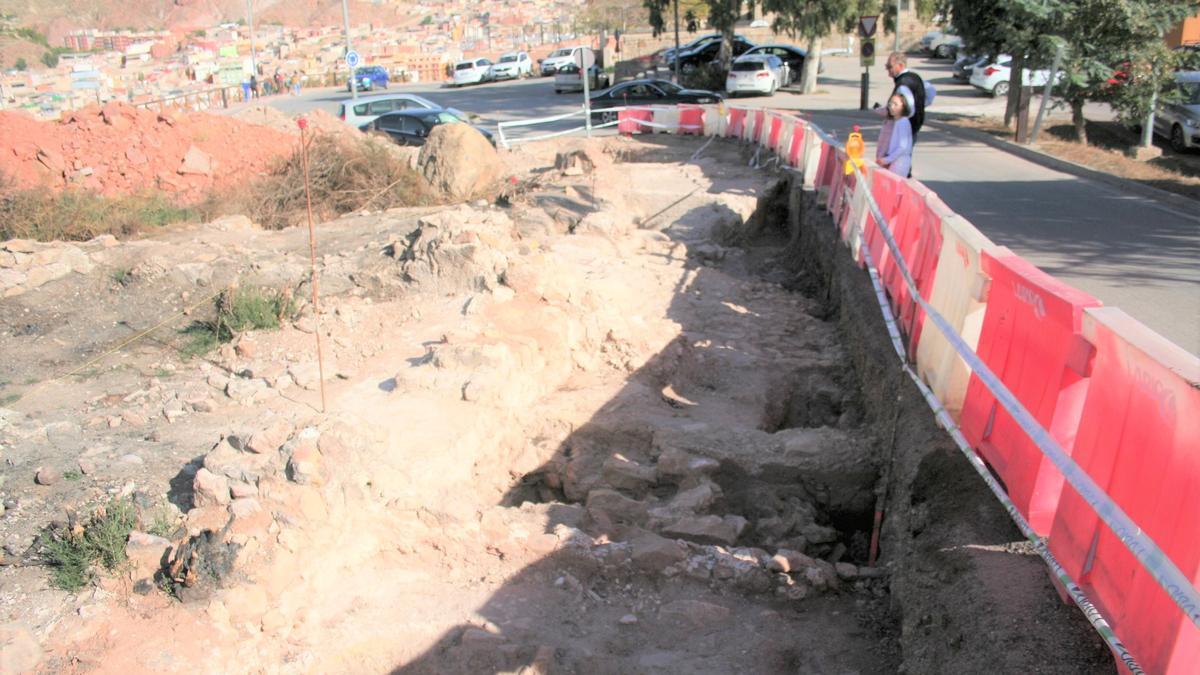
pixel 513 65
pixel 756 74
pixel 945 44
pixel 472 71
pixel 364 109
pixel 567 79
pixel 993 77
pixel 559 58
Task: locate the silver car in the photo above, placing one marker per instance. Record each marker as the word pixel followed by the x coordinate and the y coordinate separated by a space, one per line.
pixel 1180 121
pixel 357 112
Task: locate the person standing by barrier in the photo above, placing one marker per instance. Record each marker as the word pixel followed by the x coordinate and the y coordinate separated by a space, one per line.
pixel 245 90
pixel 896 155
pixel 906 80
pixel 254 85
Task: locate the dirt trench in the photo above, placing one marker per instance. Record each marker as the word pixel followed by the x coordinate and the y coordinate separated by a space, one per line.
pixel 638 420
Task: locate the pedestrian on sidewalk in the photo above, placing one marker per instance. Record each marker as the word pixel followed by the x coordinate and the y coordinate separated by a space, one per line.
pixel 906 80
pixel 894 151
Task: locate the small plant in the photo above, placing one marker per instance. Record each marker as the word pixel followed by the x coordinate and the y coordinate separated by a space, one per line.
pixel 9 399
pixel 73 554
pixel 162 372
pixel 162 526
pixel 238 310
pixel 72 475
pixel 122 276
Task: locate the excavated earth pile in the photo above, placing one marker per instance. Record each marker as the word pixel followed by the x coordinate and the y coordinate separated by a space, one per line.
pixel 590 430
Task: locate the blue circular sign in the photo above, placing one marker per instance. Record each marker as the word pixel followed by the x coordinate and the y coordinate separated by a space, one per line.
pixel 352 58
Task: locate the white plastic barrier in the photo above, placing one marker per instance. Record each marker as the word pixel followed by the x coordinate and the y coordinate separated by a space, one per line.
pixel 960 295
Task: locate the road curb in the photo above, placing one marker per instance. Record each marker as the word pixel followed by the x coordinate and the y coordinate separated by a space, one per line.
pixel 1057 164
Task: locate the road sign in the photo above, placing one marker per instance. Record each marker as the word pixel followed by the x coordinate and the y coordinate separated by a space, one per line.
pixel 866 52
pixel 352 58
pixel 866 26
pixel 584 58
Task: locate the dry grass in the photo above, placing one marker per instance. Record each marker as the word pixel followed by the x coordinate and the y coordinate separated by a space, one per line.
pixel 1105 151
pixel 345 175
pixel 79 215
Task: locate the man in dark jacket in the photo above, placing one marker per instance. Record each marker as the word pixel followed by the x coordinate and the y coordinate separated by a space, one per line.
pixel 897 68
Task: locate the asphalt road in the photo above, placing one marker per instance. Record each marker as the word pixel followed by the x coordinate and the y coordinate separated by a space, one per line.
pixel 1125 249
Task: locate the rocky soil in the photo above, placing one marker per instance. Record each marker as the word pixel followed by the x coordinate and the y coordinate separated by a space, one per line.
pixel 585 430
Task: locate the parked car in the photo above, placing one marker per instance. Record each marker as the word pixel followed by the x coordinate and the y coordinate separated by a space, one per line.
pixel 357 112
pixel 965 64
pixel 512 65
pixel 567 79
pixel 792 56
pixel 993 77
pixel 945 44
pixel 927 39
pixel 369 78
pixel 757 74
pixel 646 92
pixel 557 59
pixel 667 56
pixel 472 71
pixel 691 60
pixel 412 127
pixel 1180 121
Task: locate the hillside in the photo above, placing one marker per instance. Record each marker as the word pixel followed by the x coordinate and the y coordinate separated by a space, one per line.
pixel 56 18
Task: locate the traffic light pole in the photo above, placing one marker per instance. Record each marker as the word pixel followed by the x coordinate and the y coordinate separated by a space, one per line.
pixel 866 89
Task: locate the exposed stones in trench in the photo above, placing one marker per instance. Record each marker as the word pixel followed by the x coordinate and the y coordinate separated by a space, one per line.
pixel 784 507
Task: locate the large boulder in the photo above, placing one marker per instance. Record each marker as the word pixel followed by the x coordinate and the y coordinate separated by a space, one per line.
pixel 459 162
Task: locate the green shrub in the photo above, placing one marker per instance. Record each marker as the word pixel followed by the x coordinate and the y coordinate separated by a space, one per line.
pixel 237 310
pixel 72 556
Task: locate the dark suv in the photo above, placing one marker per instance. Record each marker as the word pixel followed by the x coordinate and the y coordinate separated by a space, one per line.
pixel 370 78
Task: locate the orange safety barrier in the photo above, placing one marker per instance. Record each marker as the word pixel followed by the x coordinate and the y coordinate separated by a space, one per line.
pixel 737 123
pixel 885 188
pixel 629 121
pixel 691 121
pixel 837 181
pixel 773 133
pixel 1030 339
pixel 826 165
pixel 1139 439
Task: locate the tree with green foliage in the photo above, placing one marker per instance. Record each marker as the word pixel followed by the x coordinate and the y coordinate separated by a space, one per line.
pixel 690 20
pixel 50 59
pixel 427 20
pixel 20 64
pixel 812 21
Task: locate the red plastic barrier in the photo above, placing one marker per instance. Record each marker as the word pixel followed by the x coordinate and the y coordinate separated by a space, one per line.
pixel 737 123
pixel 825 165
pixel 918 233
pixel 885 188
pixel 837 179
pixel 1031 341
pixel 691 121
pixel 755 131
pixel 795 153
pixel 1139 439
pixel 629 121
pixel 773 135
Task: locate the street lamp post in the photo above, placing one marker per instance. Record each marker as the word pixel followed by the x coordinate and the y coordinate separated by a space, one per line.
pixel 346 26
pixel 250 21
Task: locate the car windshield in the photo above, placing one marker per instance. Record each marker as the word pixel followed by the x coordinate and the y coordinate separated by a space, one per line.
pixel 748 66
pixel 465 65
pixel 668 87
pixel 442 117
pixel 1189 93
pixel 562 52
pixel 508 58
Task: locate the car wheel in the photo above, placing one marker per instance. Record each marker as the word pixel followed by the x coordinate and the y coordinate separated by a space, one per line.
pixel 1001 89
pixel 1178 142
pixel 942 52
pixel 608 117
